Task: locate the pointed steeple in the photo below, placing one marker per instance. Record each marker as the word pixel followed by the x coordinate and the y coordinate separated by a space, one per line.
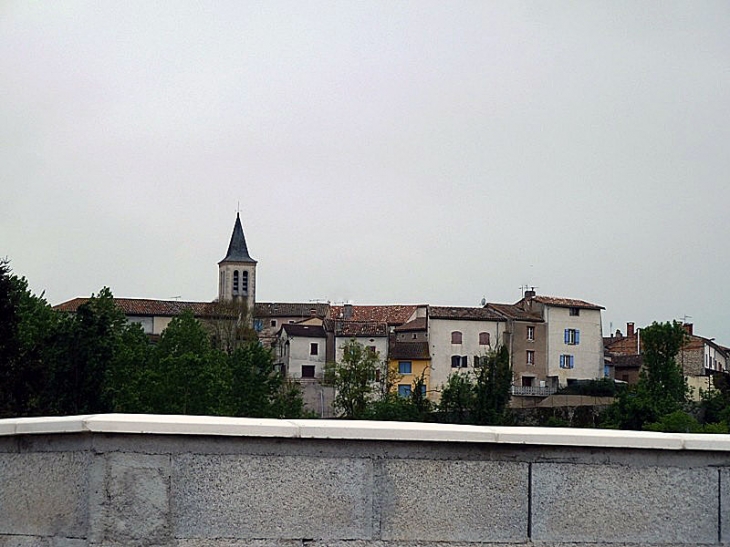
pixel 237 249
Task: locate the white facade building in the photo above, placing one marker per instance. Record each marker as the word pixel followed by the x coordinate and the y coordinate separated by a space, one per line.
pixel 301 349
pixel 574 337
pixel 458 335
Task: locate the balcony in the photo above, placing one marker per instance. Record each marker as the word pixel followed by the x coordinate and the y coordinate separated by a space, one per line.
pixel 533 391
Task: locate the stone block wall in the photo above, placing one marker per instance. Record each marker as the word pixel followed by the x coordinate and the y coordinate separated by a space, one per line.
pixel 113 481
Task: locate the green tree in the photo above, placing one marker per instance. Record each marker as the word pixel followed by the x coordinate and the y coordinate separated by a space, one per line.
pixel 661 376
pixel 81 354
pixel 189 375
pixel 457 399
pixel 26 323
pixel 258 390
pixel 354 380
pixel 492 388
pixel 662 389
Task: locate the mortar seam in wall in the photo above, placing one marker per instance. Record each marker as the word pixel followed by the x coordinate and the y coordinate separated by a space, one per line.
pixel 719 506
pixel 529 501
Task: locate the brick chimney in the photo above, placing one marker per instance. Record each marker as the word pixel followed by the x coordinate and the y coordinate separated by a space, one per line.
pixel 347 311
pixel 688 327
pixel 630 329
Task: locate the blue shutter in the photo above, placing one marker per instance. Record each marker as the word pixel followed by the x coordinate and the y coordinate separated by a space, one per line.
pixel 577 336
pixel 562 360
pixel 571 361
pixel 566 336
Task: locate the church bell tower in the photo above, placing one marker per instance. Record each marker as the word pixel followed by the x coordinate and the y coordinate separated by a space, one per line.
pixel 237 271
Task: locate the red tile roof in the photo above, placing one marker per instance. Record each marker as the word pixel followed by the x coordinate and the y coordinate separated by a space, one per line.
pixel 419 323
pixel 312 331
pixel 409 350
pixel 358 328
pixel 469 314
pixel 392 314
pixel 511 311
pixel 290 309
pixel 141 306
pixel 565 302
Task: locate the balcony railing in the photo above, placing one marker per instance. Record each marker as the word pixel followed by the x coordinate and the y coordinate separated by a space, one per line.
pixel 533 391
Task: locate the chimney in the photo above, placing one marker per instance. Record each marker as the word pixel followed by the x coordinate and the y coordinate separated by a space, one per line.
pixel 630 329
pixel 530 294
pixel 688 328
pixel 347 311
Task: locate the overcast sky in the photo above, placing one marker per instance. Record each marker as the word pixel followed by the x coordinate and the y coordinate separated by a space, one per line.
pixel 381 152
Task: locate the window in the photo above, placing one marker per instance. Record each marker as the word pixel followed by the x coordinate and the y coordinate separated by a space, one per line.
pixel 235 282
pixel 456 337
pixel 574 311
pixel 307 371
pixel 484 339
pixel 530 333
pixel 258 325
pixel 530 357
pixel 404 390
pixel 372 349
pixel 404 367
pixel 477 361
pixel 273 322
pixel 566 361
pixel 572 337
pixel 314 348
pixel 244 283
pixel 459 361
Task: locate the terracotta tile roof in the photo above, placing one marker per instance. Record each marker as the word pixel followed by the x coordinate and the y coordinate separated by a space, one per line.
pixel 395 314
pixel 409 350
pixel 290 309
pixel 311 331
pixel 469 314
pixel 358 328
pixel 512 311
pixel 566 302
pixel 148 307
pixel 419 323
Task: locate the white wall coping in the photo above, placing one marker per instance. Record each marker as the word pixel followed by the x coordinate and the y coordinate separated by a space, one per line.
pixel 360 430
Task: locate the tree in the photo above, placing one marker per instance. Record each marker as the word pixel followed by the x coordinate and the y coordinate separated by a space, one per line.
pixel 229 323
pixel 457 399
pixel 354 379
pixel 661 376
pixel 26 323
pixel 189 376
pixel 492 387
pixel 81 354
pixel 662 389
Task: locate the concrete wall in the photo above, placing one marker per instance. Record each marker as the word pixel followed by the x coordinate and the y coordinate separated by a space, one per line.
pixel 117 480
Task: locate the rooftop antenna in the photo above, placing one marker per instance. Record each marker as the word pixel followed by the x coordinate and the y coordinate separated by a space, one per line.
pixel 178 297
pixel 685 317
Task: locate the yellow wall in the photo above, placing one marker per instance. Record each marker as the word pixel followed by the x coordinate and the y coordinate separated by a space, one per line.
pixel 417 368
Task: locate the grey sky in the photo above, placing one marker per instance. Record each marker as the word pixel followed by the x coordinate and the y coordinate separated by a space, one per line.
pixel 382 152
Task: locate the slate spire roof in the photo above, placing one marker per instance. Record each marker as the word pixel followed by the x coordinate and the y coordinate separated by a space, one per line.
pixel 237 249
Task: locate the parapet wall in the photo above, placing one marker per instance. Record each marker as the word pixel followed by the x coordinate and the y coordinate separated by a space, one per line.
pixel 117 480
